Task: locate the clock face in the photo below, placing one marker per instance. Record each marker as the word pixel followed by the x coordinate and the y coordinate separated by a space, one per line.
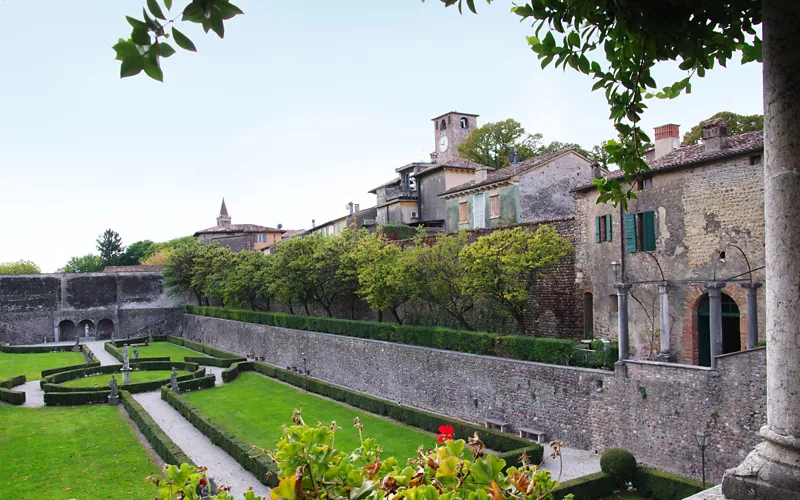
pixel 443 144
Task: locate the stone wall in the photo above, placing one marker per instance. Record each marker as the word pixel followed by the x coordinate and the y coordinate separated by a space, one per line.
pixel 651 409
pixel 33 306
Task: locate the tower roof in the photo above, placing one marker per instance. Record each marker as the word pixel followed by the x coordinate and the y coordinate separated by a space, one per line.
pixel 223 210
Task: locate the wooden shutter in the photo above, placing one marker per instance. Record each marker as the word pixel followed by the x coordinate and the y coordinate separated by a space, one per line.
pixel 649 231
pixel 608 228
pixel 630 232
pixel 597 229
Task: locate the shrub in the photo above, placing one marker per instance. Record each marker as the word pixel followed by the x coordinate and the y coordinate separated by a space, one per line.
pixel 195 384
pixel 12 382
pixel 161 443
pixel 664 485
pixel 12 397
pixel 75 398
pixel 618 464
pixel 595 485
pixel 38 349
pixel 51 371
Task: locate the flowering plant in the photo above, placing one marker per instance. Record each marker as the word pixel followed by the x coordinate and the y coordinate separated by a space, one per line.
pixel 445 433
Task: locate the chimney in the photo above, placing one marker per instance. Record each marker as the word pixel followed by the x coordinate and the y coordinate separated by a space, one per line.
pixel 356 210
pixel 313 223
pixel 597 172
pixel 434 157
pixel 715 135
pixel 668 138
pixel 480 173
pixel 350 207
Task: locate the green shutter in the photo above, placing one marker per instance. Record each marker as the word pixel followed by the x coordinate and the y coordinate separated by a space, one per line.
pixel 630 232
pixel 597 229
pixel 608 227
pixel 649 230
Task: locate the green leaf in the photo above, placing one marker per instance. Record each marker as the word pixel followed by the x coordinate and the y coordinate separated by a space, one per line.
pixel 135 23
pixel 216 23
pixel 168 4
pixel 155 9
pixel 131 66
pixel 165 49
pixel 362 491
pixel 140 37
pixel 125 49
pixel 486 470
pixel 183 41
pixel 574 39
pixel 151 67
pixel 549 40
pixel 228 10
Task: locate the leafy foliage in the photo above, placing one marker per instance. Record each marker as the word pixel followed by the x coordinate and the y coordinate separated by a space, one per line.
pixel 19 267
pixel 89 263
pixel 619 464
pixel 137 252
pixel 109 244
pixel 737 124
pixel 147 44
pixel 493 143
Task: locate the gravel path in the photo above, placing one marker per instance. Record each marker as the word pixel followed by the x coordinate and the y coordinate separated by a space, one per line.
pixel 100 353
pixel 34 396
pixel 198 447
pixel 576 463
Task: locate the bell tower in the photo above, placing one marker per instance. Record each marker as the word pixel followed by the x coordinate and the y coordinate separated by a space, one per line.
pixel 223 219
pixel 450 130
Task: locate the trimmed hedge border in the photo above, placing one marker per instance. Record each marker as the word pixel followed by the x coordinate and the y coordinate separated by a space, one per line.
pixel 50 384
pixel 51 371
pixel 166 448
pixel 509 446
pixel 76 398
pixel 34 349
pixel 262 467
pixel 542 350
pixel 196 384
pixel 118 353
pixel 16 398
pixel 649 482
pixel 593 486
pixel 214 356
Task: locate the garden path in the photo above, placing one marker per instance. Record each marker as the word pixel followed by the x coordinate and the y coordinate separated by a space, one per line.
pixel 576 463
pixel 34 395
pixel 98 349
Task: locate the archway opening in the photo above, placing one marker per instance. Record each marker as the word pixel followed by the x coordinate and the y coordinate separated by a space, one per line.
pixel 105 329
pixel 588 315
pixel 66 330
pixel 730 328
pixel 83 331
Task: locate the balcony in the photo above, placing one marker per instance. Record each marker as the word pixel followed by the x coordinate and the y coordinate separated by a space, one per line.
pixel 401 193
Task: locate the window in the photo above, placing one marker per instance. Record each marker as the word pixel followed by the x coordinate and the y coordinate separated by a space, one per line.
pixel 260 238
pixel 645 183
pixel 444 125
pixel 464 122
pixel 755 160
pixel 462 213
pixel 603 231
pixel 640 232
pixel 479 210
pixel 494 206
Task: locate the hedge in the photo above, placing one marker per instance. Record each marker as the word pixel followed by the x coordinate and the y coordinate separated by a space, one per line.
pixel 664 485
pixel 597 485
pixel 510 446
pixel 161 443
pixel 50 384
pixel 51 371
pixel 119 354
pixel 12 397
pixel 195 384
pixel 34 349
pixel 75 398
pixel 526 348
pixel 217 354
pixel 262 468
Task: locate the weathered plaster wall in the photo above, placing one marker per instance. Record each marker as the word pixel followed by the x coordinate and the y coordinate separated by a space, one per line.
pixel 649 408
pixel 698 212
pixel 32 307
pixel 544 192
pixel 429 188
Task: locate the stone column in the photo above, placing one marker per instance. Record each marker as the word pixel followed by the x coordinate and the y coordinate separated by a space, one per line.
pixel 772 470
pixel 715 310
pixel 663 294
pixel 752 312
pixel 622 317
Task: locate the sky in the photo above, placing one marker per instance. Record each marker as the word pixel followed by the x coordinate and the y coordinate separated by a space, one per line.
pixel 302 108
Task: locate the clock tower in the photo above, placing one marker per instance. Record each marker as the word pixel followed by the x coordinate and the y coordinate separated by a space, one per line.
pixel 450 130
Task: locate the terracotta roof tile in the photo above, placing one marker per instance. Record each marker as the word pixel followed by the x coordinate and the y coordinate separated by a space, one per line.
pixel 239 228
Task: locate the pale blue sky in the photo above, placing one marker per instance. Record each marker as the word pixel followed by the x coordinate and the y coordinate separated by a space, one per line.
pixel 303 107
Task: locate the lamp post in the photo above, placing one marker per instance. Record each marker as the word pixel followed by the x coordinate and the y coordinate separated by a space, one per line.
pixel 615 267
pixel 702 438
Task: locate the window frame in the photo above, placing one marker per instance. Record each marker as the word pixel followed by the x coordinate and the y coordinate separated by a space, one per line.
pixel 494 206
pixel 463 212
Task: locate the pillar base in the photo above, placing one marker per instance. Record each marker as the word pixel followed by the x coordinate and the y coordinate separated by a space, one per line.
pixel 770 471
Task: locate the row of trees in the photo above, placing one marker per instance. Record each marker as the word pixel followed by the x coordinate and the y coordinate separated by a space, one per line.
pixel 111 252
pixel 19 267
pixel 448 272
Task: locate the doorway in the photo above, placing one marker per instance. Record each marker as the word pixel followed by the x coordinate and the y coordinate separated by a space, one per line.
pixel 731 340
pixel 588 315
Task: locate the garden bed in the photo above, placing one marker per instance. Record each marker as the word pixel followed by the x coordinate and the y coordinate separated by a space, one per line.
pixel 32 364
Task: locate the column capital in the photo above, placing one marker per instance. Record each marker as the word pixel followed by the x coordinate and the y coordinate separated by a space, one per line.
pixel 623 287
pixel 752 285
pixel 663 287
pixel 714 287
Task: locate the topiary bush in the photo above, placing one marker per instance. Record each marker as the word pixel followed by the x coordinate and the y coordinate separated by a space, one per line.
pixel 619 464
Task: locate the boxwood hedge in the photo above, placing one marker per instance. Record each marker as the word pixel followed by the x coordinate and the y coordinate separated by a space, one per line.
pixel 161 443
pixel 34 349
pixel 195 384
pixel 75 398
pixel 51 371
pixel 12 397
pixel 51 383
pixel 526 348
pixel 664 485
pixel 252 460
pixel 509 446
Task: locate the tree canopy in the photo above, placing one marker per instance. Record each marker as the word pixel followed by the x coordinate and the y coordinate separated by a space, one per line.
pixel 88 263
pixel 737 124
pixel 19 267
pixel 109 244
pixel 493 143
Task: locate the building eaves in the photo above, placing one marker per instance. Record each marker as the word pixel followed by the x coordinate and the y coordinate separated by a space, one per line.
pixel 454 113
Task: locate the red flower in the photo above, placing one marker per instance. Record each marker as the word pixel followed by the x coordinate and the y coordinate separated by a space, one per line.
pixel 203 482
pixel 445 433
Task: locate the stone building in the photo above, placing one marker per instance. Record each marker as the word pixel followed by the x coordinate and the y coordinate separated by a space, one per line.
pixel 532 191
pixel 413 197
pixel 239 237
pixel 698 217
pixel 356 217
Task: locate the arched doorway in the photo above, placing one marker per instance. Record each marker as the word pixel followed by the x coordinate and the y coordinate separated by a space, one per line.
pixel 66 330
pixel 105 329
pixel 730 328
pixel 588 315
pixel 82 328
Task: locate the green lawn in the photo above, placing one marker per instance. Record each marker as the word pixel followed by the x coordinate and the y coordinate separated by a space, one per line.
pixel 626 496
pixel 254 408
pixel 31 365
pixel 157 349
pixel 136 377
pixel 87 452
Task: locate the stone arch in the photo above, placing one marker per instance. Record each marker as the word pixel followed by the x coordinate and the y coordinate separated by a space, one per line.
pixel 82 328
pixel 105 329
pixel 66 330
pixel 464 122
pixel 443 125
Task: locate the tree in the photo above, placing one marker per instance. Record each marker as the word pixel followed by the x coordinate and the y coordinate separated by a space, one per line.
pixel 493 143
pixel 19 267
pixel 137 252
pixel 737 124
pixel 180 269
pixel 503 266
pixel 560 146
pixel 109 244
pixel 88 263
pixel 147 44
pixel 294 283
